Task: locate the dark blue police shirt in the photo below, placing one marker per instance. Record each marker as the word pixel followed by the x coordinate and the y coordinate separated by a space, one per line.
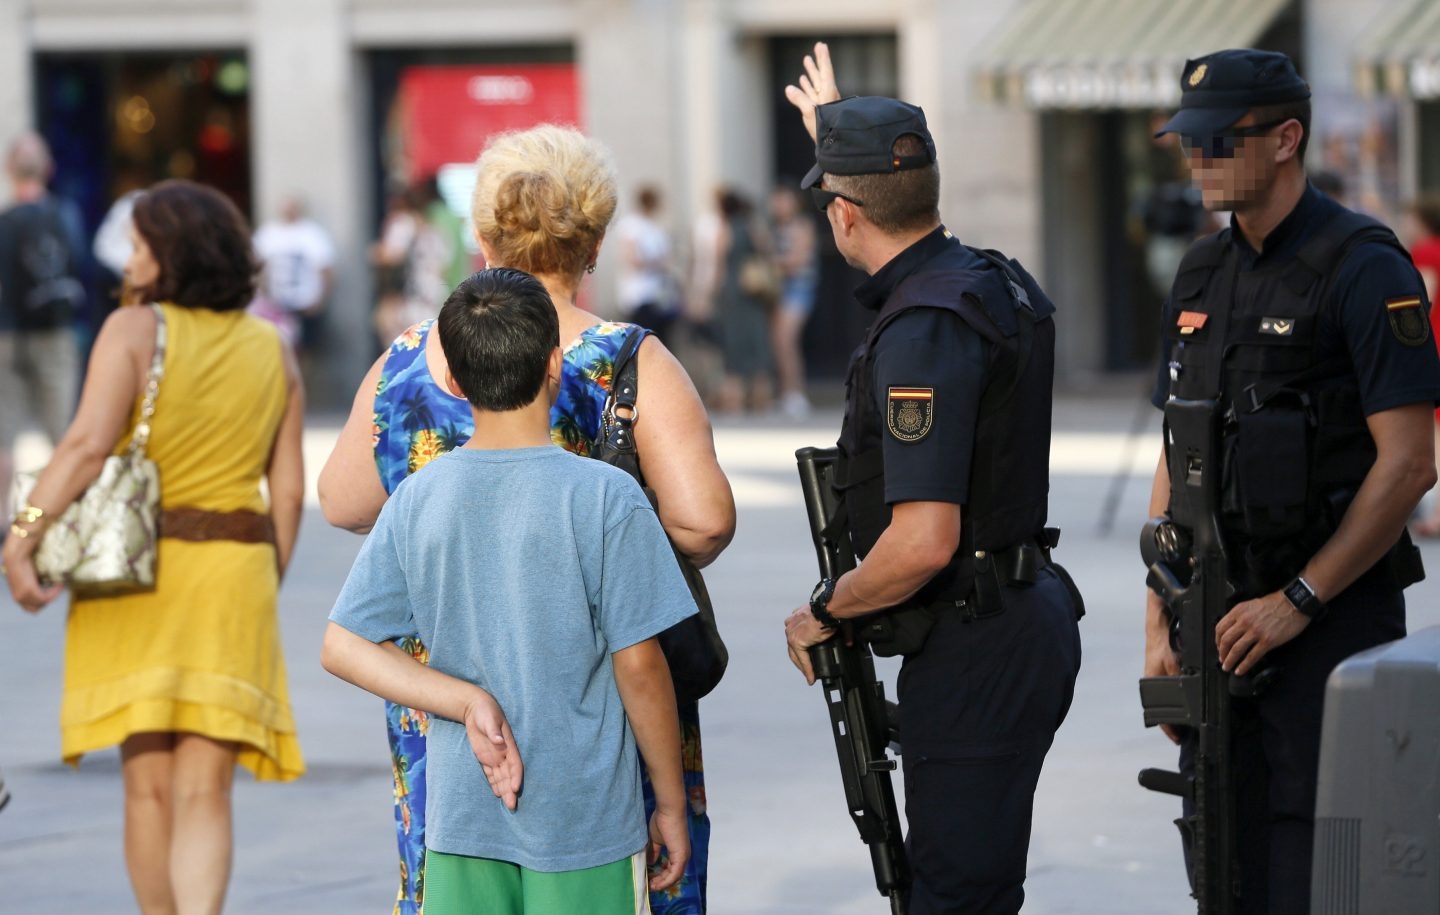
pixel 927 348
pixel 1354 319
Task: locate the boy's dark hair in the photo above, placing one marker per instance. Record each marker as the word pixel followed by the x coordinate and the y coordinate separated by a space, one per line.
pixel 498 329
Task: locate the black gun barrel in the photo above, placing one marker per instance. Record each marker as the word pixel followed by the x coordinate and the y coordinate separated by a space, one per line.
pixel 1188 541
pixel 861 721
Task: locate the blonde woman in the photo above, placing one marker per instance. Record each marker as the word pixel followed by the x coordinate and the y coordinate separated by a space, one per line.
pixel 543 200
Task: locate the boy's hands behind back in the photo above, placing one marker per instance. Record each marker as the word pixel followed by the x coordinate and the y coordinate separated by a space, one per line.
pixel 494 746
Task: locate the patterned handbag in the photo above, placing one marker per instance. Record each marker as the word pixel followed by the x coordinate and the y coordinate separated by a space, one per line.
pixel 694 651
pixel 105 542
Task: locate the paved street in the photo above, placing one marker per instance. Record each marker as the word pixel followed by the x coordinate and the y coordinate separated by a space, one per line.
pixel 782 843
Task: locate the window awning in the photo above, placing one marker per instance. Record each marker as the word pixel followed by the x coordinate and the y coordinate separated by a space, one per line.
pixel 1111 53
pixel 1400 53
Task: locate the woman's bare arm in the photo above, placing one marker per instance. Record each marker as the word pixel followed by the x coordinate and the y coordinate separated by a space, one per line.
pixel 351 494
pixel 677 456
pixel 285 474
pixel 118 364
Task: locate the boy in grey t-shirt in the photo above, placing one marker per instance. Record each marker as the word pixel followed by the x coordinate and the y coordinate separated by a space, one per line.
pixel 539 580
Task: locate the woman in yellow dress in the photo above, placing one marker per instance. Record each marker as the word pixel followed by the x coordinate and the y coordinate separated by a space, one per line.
pixel 188 678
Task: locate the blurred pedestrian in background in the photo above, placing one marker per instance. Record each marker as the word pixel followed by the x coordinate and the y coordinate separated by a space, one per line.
pixel 747 285
pixel 1422 231
pixel 298 259
pixel 449 228
pixel 647 291
pixel 797 258
pixel 697 344
pixel 411 259
pixel 188 678
pixel 543 200
pixel 41 248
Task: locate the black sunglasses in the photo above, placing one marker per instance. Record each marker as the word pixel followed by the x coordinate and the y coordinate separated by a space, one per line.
pixel 1222 145
pixel 824 198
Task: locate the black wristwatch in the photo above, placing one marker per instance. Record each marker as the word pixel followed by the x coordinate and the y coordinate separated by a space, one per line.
pixel 1302 597
pixel 820 603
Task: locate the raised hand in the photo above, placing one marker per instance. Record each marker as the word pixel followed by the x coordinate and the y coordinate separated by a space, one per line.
pixel 817 86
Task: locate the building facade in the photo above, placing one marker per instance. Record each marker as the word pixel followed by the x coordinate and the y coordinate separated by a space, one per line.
pixel 1040 109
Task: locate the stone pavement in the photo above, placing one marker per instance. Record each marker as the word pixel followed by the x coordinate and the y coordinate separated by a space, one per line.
pixel 782 843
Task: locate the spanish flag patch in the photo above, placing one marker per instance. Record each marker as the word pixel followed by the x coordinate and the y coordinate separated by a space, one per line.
pixel 910 412
pixel 1408 321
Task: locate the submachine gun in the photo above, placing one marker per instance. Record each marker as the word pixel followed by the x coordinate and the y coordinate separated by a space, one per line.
pixel 1187 563
pixel 860 719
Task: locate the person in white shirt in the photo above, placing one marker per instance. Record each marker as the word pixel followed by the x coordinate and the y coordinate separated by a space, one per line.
pixel 299 260
pixel 647 291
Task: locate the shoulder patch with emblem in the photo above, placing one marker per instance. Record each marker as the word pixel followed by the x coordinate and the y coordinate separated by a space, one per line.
pixel 1408 321
pixel 910 412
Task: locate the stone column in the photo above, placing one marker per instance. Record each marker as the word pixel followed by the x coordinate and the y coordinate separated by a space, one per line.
pixel 306 110
pixel 16 66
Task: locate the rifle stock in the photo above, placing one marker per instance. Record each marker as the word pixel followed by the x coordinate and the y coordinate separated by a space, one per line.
pixel 859 718
pixel 1197 594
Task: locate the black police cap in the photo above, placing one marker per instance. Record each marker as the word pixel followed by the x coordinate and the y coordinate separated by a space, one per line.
pixel 856 136
pixel 1218 89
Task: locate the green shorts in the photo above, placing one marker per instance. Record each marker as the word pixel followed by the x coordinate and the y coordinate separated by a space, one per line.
pixel 459 885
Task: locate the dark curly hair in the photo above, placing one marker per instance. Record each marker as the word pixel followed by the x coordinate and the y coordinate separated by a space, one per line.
pixel 200 242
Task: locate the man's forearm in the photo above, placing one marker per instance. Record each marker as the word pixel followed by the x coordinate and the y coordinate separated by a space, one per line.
pixel 1404 470
pixel 920 541
pixel 1369 529
pixel 648 694
pixel 390 673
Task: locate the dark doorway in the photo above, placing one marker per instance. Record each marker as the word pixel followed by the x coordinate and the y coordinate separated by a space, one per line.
pixel 117 122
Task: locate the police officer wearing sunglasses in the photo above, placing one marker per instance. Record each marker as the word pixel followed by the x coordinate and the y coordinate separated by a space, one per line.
pixel 944 477
pixel 1309 324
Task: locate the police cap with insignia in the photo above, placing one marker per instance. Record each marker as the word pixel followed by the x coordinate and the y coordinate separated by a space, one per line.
pixel 1218 89
pixel 856 136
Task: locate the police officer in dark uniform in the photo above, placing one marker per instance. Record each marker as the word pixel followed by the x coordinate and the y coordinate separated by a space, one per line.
pixel 944 477
pixel 1308 323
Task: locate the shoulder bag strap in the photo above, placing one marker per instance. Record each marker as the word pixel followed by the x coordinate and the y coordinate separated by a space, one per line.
pixel 618 418
pixel 152 385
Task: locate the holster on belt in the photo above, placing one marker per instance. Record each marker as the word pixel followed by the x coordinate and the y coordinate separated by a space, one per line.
pixel 1015 567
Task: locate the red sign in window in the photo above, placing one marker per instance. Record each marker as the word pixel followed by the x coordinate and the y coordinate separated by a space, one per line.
pixel 448 112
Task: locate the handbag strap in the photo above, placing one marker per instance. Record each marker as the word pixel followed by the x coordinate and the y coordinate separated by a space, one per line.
pixel 141 435
pixel 618 418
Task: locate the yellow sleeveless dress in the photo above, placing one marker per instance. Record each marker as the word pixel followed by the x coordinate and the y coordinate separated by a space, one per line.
pixel 201 653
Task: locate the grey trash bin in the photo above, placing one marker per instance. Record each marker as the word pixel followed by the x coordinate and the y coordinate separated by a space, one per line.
pixel 1377 811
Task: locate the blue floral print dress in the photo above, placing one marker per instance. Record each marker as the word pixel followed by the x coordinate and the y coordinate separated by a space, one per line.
pixel 416 421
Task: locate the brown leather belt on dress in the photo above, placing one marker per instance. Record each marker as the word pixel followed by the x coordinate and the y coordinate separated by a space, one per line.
pixel 198 525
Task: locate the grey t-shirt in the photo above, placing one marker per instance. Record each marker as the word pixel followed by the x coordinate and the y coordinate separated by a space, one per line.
pixel 523 570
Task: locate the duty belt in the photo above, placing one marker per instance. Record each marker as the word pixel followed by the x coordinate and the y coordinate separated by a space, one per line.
pixel 1013 567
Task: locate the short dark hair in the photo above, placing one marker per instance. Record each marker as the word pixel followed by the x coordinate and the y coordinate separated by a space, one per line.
pixel 1298 110
pixel 903 201
pixel 498 329
pixel 200 242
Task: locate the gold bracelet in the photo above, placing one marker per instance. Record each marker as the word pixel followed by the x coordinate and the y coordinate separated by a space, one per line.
pixel 29 515
pixel 18 531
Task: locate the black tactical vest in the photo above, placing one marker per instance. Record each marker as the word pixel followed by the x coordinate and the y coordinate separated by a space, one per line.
pixel 1009 475
pixel 1295 446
